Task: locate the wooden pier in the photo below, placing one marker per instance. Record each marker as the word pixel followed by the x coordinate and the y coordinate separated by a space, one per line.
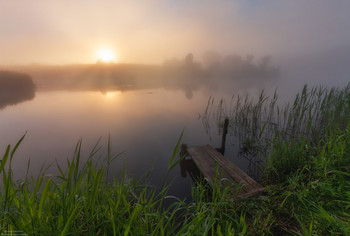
pixel 215 167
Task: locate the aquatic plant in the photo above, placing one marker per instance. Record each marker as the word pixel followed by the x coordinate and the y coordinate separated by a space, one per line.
pixel 80 201
pixel 260 123
pixel 305 148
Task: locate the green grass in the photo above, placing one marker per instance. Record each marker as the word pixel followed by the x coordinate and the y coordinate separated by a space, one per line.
pixel 303 149
pixel 79 201
pixel 315 196
pixel 306 175
pixel 261 123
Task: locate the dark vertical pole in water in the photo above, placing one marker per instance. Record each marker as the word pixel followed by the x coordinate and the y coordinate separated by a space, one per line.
pixel 183 154
pixel 224 133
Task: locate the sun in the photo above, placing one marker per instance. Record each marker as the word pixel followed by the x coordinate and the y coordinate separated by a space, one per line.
pixel 112 94
pixel 106 56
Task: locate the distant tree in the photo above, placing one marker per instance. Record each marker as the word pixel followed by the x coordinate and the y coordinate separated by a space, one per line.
pixel 211 59
pixel 189 59
pixel 15 88
pixel 265 61
pixel 250 59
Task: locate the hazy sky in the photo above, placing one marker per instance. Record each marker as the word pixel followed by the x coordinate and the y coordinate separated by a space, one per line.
pixel 65 31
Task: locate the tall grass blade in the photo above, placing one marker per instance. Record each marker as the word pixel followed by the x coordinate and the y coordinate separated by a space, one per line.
pixel 172 162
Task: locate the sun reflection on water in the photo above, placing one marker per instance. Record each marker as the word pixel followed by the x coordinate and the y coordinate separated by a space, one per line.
pixel 112 94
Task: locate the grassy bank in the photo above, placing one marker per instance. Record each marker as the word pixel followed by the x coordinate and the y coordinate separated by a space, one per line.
pixel 306 172
pixel 79 201
pixel 302 151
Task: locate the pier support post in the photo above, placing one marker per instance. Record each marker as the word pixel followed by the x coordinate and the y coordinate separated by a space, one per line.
pixel 224 133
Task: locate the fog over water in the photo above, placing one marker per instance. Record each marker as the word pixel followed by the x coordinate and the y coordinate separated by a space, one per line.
pixel 65 32
pixel 170 58
pixel 307 40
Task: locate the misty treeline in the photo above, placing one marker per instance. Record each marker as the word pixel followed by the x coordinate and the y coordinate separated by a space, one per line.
pixel 15 88
pixel 187 74
pixel 231 66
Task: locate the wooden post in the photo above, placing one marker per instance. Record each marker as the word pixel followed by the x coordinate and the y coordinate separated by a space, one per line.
pixel 183 153
pixel 224 133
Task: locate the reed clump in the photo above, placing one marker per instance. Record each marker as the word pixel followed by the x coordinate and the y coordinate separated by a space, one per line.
pixel 303 151
pixel 262 123
pixel 80 201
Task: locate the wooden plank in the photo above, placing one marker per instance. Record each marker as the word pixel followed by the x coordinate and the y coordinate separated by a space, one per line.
pixel 206 167
pixel 209 167
pixel 212 163
pixel 237 174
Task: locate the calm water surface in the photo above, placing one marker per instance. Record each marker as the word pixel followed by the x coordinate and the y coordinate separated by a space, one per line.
pixel 143 124
pixel 145 121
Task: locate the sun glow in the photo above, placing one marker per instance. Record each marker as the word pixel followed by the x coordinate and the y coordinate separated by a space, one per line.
pixel 112 94
pixel 106 56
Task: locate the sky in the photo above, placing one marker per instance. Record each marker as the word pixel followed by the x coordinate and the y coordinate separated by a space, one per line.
pixel 65 31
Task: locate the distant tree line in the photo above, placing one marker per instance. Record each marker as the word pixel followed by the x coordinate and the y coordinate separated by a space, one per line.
pixel 232 66
pixel 186 74
pixel 15 88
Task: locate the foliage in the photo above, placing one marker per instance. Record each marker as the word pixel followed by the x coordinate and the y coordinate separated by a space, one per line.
pixel 262 123
pixel 79 201
pixel 305 149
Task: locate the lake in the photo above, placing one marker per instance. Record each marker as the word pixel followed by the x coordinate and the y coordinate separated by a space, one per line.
pixel 144 124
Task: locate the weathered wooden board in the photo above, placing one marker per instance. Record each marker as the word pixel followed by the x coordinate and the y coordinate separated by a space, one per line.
pixel 213 164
